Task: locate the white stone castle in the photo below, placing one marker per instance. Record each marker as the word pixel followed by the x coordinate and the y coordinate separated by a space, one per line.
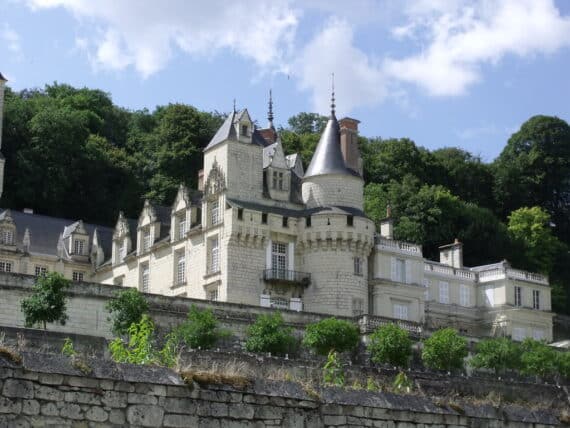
pixel 260 230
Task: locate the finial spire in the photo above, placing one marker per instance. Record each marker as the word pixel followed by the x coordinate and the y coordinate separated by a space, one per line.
pixel 332 95
pixel 270 112
pixel 234 105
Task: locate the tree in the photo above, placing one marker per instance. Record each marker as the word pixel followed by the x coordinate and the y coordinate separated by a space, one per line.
pixel 48 302
pixel 538 358
pixel 444 350
pixel 127 307
pixel 307 123
pixel 497 354
pixel 200 330
pixel 390 344
pixel 269 334
pixel 331 334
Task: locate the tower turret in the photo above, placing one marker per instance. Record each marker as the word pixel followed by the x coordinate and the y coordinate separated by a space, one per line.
pixel 3 81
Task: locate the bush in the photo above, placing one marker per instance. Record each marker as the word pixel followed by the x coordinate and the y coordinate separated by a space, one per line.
pixel 563 363
pixel 444 350
pixel 390 344
pixel 333 374
pixel 139 349
pixel 269 334
pixel 126 308
pixel 538 359
pixel 331 334
pixel 497 354
pixel 48 302
pixel 200 330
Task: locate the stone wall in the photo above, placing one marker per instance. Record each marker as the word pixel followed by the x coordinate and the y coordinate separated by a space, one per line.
pixel 48 390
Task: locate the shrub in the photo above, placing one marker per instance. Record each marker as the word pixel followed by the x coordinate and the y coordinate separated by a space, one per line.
pixel 331 334
pixel 200 330
pixel 497 354
pixel 390 344
pixel 402 383
pixel 48 302
pixel 269 334
pixel 68 349
pixel 563 363
pixel 139 349
pixel 333 374
pixel 126 308
pixel 538 358
pixel 444 350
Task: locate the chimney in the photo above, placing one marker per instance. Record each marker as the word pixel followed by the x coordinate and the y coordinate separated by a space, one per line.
pixel 28 211
pixel 349 144
pixel 452 254
pixel 201 180
pixel 387 224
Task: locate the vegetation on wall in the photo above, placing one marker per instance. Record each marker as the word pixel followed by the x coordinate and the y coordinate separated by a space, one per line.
pixel 127 307
pixel 68 149
pixel 48 301
pixel 269 334
pixel 331 334
pixel 390 344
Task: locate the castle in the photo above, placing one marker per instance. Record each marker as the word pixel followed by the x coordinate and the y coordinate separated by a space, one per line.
pixel 260 230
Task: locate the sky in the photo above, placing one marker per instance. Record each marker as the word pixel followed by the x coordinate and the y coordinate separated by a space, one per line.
pixel 442 72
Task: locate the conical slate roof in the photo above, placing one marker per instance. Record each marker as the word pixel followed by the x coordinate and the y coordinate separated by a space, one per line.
pixel 3 78
pixel 327 158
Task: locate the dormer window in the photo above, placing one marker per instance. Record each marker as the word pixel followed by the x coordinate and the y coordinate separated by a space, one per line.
pixel 214 212
pixel 182 226
pixel 244 130
pixel 78 246
pixel 277 180
pixel 7 237
pixel 146 240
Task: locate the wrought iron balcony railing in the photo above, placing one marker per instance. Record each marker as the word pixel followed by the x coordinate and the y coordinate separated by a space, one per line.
pixel 285 275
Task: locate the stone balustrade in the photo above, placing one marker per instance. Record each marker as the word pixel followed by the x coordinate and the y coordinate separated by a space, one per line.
pixel 397 246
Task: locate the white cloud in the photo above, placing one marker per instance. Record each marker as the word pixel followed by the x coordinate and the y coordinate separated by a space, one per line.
pixel 11 39
pixel 461 37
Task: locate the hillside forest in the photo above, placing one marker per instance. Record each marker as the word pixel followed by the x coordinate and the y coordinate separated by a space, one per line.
pixel 71 152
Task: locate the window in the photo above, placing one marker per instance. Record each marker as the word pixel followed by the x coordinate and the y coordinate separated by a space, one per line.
pixel 285 221
pixel 358 266
pixel 443 292
pixel 118 281
pixel 181 268
pixel 146 240
pixel 263 218
pixel 400 311
pixel 350 220
pixel 357 307
pixel 518 296
pixel 78 246
pixel 308 221
pixel 7 237
pixel 145 278
pixel 5 266
pixel 279 303
pixel 279 258
pixel 77 276
pixel 40 270
pixel 519 333
pixel 214 213
pixel 214 255
pixel 463 295
pixel 182 226
pixel 426 285
pixel 240 213
pixel 213 294
pixel 277 180
pixel 398 270
pixel 538 334
pixel 244 130
pixel 535 299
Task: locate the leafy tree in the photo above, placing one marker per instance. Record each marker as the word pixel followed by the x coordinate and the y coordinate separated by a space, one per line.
pixel 444 350
pixel 538 358
pixel 139 349
pixel 48 302
pixel 331 334
pixel 498 354
pixel 303 144
pixel 307 123
pixel 390 344
pixel 200 330
pixel 127 307
pixel 269 334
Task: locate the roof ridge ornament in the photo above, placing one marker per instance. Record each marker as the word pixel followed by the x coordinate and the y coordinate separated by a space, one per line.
pixel 332 95
pixel 270 111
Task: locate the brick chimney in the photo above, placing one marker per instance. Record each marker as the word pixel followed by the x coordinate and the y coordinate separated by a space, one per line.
pixel 452 254
pixel 349 144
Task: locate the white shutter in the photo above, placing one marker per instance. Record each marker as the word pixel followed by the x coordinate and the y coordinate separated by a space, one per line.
pixel 394 269
pixel 408 265
pixel 291 256
pixel 268 255
pixel 404 314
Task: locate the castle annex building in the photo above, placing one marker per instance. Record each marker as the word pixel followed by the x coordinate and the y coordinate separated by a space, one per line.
pixel 260 230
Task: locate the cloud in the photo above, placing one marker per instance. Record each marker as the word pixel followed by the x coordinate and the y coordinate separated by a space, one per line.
pixel 11 39
pixel 460 37
pixel 144 33
pixel 359 81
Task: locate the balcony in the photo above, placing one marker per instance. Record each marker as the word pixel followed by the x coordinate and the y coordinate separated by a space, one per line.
pixel 293 304
pixel 284 276
pixel 400 247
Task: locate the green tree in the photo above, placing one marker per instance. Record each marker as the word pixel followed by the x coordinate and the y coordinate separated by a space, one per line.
pixel 200 330
pixel 538 358
pixel 498 354
pixel 390 344
pixel 307 123
pixel 269 334
pixel 127 307
pixel 48 302
pixel 331 334
pixel 444 350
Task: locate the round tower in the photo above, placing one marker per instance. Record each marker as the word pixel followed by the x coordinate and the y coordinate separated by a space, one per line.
pixel 336 237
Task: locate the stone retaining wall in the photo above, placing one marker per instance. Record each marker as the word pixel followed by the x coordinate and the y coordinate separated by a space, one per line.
pixel 46 390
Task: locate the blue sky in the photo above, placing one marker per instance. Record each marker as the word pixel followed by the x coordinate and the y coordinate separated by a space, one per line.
pixel 442 72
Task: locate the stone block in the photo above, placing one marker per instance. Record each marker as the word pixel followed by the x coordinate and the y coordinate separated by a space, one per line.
pixel 30 407
pixel 96 414
pixel 145 415
pixel 50 379
pixel 268 412
pixel 71 411
pixel 219 410
pixel 82 398
pixel 209 423
pixel 124 387
pixel 49 409
pixel 83 382
pixel 150 389
pixel 180 421
pixel 334 420
pixel 10 406
pixel 106 384
pixel 48 393
pixel 134 398
pixel 114 399
pixel 241 411
pixel 178 405
pixel 117 417
pixel 178 391
pixel 18 388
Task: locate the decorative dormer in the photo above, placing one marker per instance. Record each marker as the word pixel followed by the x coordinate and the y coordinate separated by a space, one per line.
pixel 75 240
pixel 215 186
pixel 7 231
pixel 148 230
pixel 181 215
pixel 122 244
pixel 27 240
pixel 244 126
pixel 97 254
pixel 276 171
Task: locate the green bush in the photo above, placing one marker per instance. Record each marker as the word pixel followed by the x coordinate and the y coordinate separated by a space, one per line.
pixel 139 349
pixel 538 358
pixel 68 349
pixel 444 350
pixel 333 374
pixel 48 302
pixel 126 308
pixel 331 334
pixel 390 344
pixel 497 354
pixel 563 363
pixel 200 330
pixel 269 334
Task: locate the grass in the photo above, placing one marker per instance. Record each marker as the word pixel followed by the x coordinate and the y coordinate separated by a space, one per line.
pixel 232 373
pixel 8 352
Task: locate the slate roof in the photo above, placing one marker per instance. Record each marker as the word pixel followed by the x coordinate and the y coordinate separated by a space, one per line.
pixel 228 132
pixel 3 78
pixel 289 212
pixel 45 232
